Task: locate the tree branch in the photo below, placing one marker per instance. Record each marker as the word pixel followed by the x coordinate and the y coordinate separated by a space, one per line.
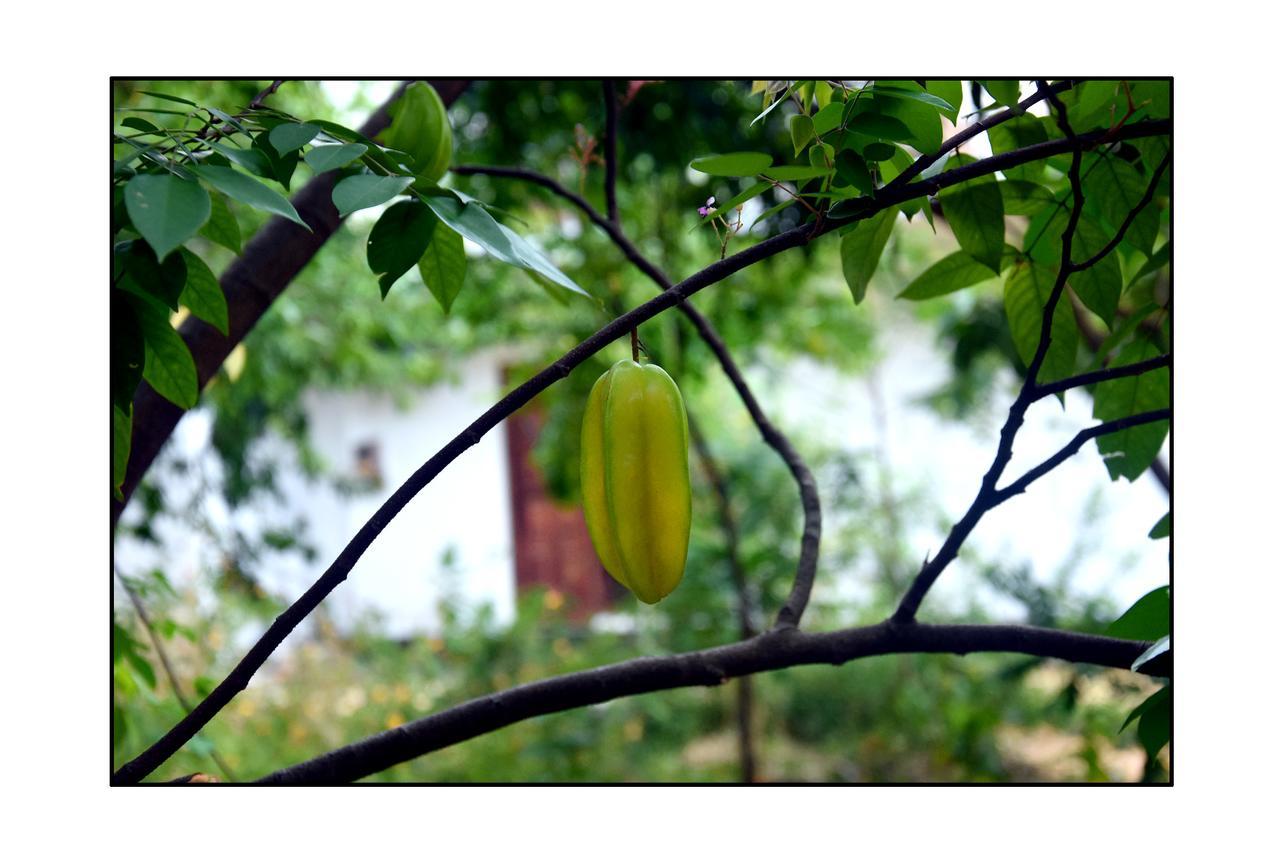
pixel 1103 375
pixel 238 679
pixel 986 497
pixel 253 281
pixel 1128 220
pixel 1019 485
pixel 707 668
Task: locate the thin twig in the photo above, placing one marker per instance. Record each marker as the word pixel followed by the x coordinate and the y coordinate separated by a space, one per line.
pixel 1128 220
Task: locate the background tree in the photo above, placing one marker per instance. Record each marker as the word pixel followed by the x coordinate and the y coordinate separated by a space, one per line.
pixel 1090 180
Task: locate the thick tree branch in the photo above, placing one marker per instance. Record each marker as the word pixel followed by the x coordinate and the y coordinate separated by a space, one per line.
pixel 1019 485
pixel 238 679
pixel 270 260
pixel 1105 374
pixel 711 667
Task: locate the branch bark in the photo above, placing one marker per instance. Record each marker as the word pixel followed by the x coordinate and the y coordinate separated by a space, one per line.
pixel 238 679
pixel 270 260
pixel 773 650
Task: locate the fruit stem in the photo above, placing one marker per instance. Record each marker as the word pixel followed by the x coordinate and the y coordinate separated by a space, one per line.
pixel 635 346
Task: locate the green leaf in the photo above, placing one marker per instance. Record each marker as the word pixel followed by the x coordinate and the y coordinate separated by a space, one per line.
pixel 740 164
pixel 1004 92
pixel 1155 96
pixel 877 152
pixel 1129 453
pixel 853 170
pixel 896 89
pixel 795 173
pixel 802 131
pixel 1117 188
pixel 169 367
pixel 860 250
pixel 398 239
pixel 145 276
pixel 360 191
pixel 1026 293
pixel 291 136
pixel 166 210
pixel 322 158
pixel 777 100
pixel 139 123
pixel 249 191
pixel 1155 726
pixel 724 208
pixel 1024 198
pixel 1161 529
pixel 121 438
pixel 203 294
pixel 1098 286
pixel 444 266
pixel 879 125
pixel 777 208
pixel 1153 701
pixel 127 350
pixel 1122 331
pixel 1147 619
pixel 828 118
pixel 252 160
pixel 222 227
pixel 954 272
pixel 474 223
pixel 975 212
pixel 951 91
pixel 1158 259
pixel 1019 133
pixel 280 167
pixel 165 97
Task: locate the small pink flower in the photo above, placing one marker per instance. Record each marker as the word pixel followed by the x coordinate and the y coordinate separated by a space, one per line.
pixel 707 209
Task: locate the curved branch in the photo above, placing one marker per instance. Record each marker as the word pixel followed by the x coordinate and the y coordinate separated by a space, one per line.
pixel 711 667
pixel 238 679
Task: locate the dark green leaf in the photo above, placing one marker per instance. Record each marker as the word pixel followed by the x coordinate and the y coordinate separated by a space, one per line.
pixel 166 210
pixel 250 191
pixel 740 164
pixel 280 167
pixel 1024 198
pixel 954 272
pixel 290 136
pixel 1158 259
pixel 398 239
pixel 880 125
pixel 1003 92
pixel 127 350
pixel 897 89
pixel 360 191
pixel 1154 96
pixel 1155 700
pixel 1147 619
pixel 121 437
pixel 795 173
pixel 1129 453
pixel 252 160
pixel 222 227
pixel 147 277
pixel 1161 528
pixel 474 223
pixel 853 170
pixel 1156 725
pixel 203 294
pixel 802 132
pixel 861 248
pixel 322 158
pixel 138 123
pixel 975 212
pixel 922 121
pixel 1122 332
pixel 879 151
pixel 169 367
pixel 444 266
pixel 1026 293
